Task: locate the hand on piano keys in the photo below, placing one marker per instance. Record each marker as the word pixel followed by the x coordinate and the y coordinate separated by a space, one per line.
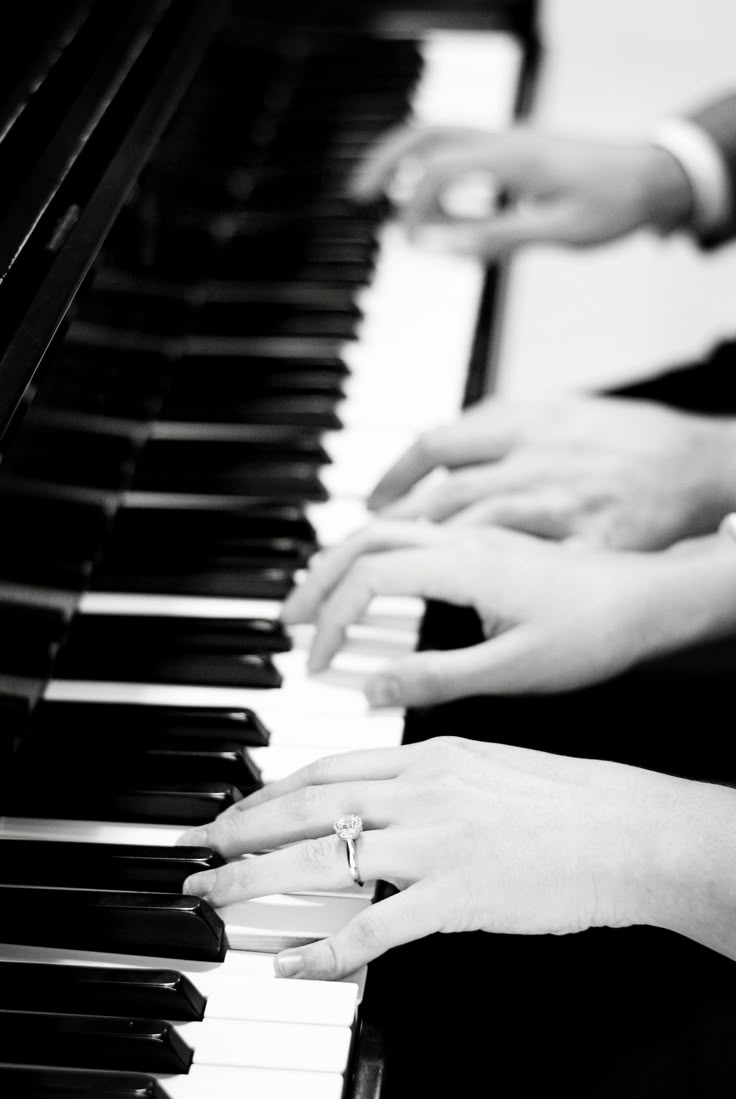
pixel 567 191
pixel 477 836
pixel 605 471
pixel 555 616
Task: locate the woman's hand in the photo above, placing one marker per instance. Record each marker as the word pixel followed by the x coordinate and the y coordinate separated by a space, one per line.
pixel 474 836
pixel 621 473
pixel 563 190
pixel 555 617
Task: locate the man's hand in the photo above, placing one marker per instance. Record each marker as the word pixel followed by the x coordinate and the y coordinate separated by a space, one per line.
pixel 562 190
pixel 555 618
pixel 620 473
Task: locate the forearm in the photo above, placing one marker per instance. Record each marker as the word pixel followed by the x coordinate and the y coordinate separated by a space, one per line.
pixel 693 887
pixel 695 601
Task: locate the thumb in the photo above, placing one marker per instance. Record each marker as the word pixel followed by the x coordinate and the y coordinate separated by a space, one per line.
pixel 499 666
pixel 402 918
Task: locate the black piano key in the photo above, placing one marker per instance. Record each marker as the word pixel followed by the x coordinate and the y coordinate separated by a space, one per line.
pixel 272 480
pixel 82 759
pixel 72 470
pixel 184 578
pixel 229 360
pixel 252 554
pixel 116 722
pixel 207 759
pixel 32 515
pixel 223 635
pixel 237 259
pixel 297 410
pixel 60 1083
pixel 36 633
pixel 84 1041
pixel 147 665
pixel 231 375
pixel 99 504
pixel 221 524
pixel 98 990
pixel 154 924
pixel 139 798
pixel 45 569
pixel 109 866
pixel 227 386
pixel 165 316
pixel 28 620
pixel 65 443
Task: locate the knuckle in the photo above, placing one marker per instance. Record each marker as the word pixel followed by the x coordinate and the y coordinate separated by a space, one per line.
pixel 443 757
pixel 449 746
pixel 236 875
pixel 318 854
pixel 368 930
pixel 322 771
pixel 224 834
pixel 329 963
pixel 301 804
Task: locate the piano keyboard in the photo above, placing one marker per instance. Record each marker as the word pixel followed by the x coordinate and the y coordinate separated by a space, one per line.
pixel 248 1033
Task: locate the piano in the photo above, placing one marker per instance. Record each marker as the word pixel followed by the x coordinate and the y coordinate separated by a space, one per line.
pixel 207 356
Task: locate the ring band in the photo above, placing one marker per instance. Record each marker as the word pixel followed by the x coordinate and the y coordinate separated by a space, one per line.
pixel 348 828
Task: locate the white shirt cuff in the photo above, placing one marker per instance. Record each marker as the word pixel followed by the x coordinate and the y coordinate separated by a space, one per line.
pixel 702 162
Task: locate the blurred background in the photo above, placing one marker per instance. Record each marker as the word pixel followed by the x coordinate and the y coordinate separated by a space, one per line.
pixel 611 313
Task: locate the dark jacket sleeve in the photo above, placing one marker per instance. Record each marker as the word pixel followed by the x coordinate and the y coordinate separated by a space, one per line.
pixel 718 119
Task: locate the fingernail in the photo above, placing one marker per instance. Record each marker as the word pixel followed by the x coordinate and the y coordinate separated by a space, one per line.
pixel 289 965
pixel 200 885
pixel 383 692
pixel 197 837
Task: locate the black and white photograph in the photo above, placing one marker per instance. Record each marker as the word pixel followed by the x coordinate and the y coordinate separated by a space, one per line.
pixel 367 549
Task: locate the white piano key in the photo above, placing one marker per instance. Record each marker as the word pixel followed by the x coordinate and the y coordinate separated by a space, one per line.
pixel 271 924
pixel 336 518
pixel 234 976
pixel 323 1003
pixel 176 606
pixel 470 78
pixel 300 710
pixel 277 761
pixel 389 608
pixel 88 831
pixel 241 1043
pixel 207 1082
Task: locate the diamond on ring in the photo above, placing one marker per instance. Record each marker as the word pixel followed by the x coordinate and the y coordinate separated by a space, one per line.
pixel 349 827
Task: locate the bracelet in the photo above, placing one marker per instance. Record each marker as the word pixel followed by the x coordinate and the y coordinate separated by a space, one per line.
pixel 727 525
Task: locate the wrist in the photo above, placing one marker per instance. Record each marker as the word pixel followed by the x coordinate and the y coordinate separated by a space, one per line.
pixel 691 864
pixel 667 194
pixel 693 597
pixel 721 440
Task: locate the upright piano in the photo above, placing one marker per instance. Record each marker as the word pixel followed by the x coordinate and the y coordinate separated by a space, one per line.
pixel 207 355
